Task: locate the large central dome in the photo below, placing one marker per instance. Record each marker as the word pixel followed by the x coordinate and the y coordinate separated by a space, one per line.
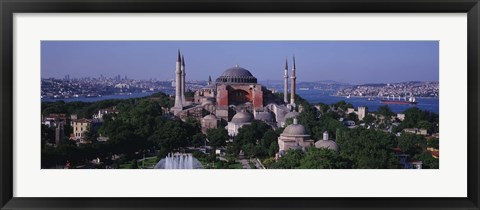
pixel 236 74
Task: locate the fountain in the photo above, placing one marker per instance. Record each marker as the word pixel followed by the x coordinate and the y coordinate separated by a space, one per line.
pixel 178 161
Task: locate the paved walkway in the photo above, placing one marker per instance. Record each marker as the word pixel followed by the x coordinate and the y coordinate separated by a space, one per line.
pixel 245 164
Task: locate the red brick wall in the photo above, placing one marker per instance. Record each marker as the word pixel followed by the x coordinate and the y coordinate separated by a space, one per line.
pixel 224 90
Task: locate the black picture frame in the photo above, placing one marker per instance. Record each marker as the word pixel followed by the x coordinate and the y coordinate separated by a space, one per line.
pixel 10 7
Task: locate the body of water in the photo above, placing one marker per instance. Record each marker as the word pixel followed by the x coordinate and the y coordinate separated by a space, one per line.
pixel 95 99
pixel 313 96
pixel 318 96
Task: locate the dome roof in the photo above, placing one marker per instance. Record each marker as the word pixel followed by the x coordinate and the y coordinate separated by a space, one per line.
pixel 207 102
pixel 295 130
pixel 291 115
pixel 210 117
pixel 236 74
pixel 242 117
pixel 264 116
pixel 328 144
pixel 237 71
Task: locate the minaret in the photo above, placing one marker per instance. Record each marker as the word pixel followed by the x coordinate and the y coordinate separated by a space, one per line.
pixel 209 80
pixel 285 83
pixel 178 84
pixel 182 69
pixel 292 92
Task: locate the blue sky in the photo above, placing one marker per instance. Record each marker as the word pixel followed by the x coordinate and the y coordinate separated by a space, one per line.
pixel 355 62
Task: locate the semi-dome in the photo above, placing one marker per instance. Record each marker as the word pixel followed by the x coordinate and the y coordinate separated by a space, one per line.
pixel 328 144
pixel 210 117
pixel 236 74
pixel 295 130
pixel 264 116
pixel 237 71
pixel 242 117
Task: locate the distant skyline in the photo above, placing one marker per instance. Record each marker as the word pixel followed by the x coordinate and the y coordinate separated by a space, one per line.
pixel 355 62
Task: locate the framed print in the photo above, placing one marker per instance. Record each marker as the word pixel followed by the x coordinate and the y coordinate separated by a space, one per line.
pixel 239 105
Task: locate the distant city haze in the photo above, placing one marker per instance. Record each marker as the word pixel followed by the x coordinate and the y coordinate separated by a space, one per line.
pixel 354 62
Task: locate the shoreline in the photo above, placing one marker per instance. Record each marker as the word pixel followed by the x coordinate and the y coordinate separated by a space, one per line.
pixel 376 97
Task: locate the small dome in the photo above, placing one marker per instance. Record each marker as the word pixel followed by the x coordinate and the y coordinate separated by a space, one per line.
pixel 295 130
pixel 210 117
pixel 242 117
pixel 264 116
pixel 207 102
pixel 291 115
pixel 328 144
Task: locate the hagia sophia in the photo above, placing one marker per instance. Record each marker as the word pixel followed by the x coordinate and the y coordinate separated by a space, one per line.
pixel 236 99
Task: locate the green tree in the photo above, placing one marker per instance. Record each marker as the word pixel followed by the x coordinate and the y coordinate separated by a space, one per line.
pixel 428 161
pixel 434 143
pixel 369 119
pixel 134 164
pixel 323 159
pixel 342 105
pixel 90 135
pixel 47 135
pixel 323 108
pixel 411 144
pixel 249 150
pixel 273 149
pixel 198 139
pixel 352 116
pixel 269 138
pixel 367 148
pixel 217 137
pixel 385 111
pixel 170 135
pixel 413 117
pixel 291 160
pixel 424 124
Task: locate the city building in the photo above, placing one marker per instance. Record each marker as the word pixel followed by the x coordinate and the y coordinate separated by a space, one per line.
pixel 100 113
pixel 236 92
pixel 294 136
pixel 209 122
pixel 52 120
pixel 419 131
pixel 79 127
pixel 361 112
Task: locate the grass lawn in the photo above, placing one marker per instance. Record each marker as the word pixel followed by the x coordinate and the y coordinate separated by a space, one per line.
pixel 236 166
pixel 150 162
